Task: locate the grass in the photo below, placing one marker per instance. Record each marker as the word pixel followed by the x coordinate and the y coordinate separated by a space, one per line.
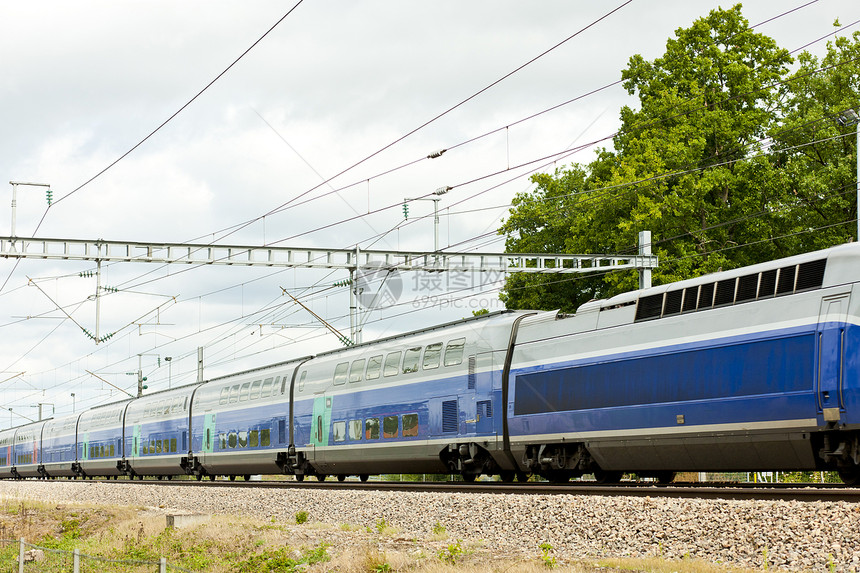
pixel 233 544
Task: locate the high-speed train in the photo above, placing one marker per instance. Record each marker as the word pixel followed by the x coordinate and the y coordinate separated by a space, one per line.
pixel 751 369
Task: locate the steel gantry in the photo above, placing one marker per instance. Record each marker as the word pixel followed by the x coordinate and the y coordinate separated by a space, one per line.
pixel 352 260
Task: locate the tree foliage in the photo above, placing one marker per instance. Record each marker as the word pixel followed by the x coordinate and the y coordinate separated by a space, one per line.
pixel 723 160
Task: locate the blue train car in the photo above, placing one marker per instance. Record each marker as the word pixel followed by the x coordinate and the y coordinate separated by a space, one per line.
pixel 26 450
pixel 156 433
pixel 99 441
pixel 59 440
pixel 239 423
pixel 7 437
pixel 750 369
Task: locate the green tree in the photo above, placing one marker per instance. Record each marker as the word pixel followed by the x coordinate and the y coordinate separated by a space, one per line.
pixel 690 164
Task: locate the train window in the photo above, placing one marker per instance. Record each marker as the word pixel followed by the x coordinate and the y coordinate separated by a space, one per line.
pixel 173 445
pixel 410 425
pixel 265 437
pixel 232 440
pixel 392 364
pixel 432 355
pixel 355 429
pixel 691 295
pixel 163 407
pixel 356 370
pixel 673 302
pixel 266 391
pixel 152 446
pixel 254 438
pixel 112 451
pixel 706 296
pixel 454 352
pixel 302 381
pixel 767 284
pixel 785 282
pixel 410 361
pixel 339 431
pixel 243 439
pixel 225 394
pixel 157 446
pixel 371 429
pixel 340 373
pixel 222 441
pixel 810 275
pixel 390 425
pixel 649 307
pixel 374 366
pixel 747 288
pixel 234 394
pixel 244 390
pixel 255 389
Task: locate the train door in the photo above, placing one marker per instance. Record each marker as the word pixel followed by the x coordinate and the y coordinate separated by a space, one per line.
pixel 483 397
pixel 320 424
pixel 831 356
pixel 135 443
pixel 208 433
pixel 468 400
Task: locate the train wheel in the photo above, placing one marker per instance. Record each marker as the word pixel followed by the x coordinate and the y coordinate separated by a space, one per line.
pixel 247 477
pixel 140 477
pixel 212 477
pixel 850 476
pixel 321 477
pixel 199 477
pixel 170 477
pixel 506 477
pixel 522 477
pixel 363 477
pixel 160 477
pixel 469 477
pixel 300 477
pixel 341 477
pixel 232 478
pixel 603 476
pixel 665 477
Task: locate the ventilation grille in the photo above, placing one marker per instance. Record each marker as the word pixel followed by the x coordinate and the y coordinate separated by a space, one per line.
pixel 757 286
pixel 449 416
pixel 485 409
pixel 473 367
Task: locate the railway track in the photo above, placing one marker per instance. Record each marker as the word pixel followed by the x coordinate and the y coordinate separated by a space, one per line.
pixel 733 491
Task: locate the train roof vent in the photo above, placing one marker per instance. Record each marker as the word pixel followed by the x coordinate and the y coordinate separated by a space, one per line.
pixel 649 307
pixel 810 275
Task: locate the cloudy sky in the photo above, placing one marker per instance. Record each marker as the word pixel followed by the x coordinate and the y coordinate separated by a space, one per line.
pixel 332 84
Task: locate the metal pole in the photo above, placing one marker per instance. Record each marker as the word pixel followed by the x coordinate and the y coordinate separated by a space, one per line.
pixel 436 225
pixel 73 402
pixel 353 310
pixel 644 249
pixel 98 298
pixel 76 560
pixel 21 556
pixel 200 364
pixel 14 203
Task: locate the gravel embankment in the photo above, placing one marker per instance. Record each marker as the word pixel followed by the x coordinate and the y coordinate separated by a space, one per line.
pixel 815 536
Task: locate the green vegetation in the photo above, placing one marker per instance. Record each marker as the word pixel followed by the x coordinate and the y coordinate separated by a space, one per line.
pixel 727 156
pixel 301 517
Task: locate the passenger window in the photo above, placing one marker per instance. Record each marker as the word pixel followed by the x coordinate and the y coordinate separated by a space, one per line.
pixel 158 446
pixel 339 431
pixel 243 392
pixel 374 365
pixel 454 352
pixel 172 445
pixel 356 370
pixel 112 451
pixel 432 355
pixel 255 389
pixel 232 440
pixel 265 437
pixel 222 438
pixel 371 428
pixel 410 425
pixel 234 394
pixel 410 361
pixel 152 447
pixel 355 429
pixel 243 439
pixel 254 439
pixel 340 373
pixel 267 388
pixel 225 395
pixel 390 426
pixel 302 381
pixel 392 364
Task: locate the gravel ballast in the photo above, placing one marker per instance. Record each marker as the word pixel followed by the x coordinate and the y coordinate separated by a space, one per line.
pixel 817 536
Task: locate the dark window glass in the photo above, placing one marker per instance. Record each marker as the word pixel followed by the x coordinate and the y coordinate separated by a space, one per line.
pixel 265 437
pixel 158 446
pixel 410 425
pixel 649 307
pixel 691 296
pixel 371 429
pixel 810 275
pixel 254 438
pixel 673 302
pixel 785 283
pixel 725 292
pixel 767 284
pixel 173 445
pixel 390 426
pixel 747 288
